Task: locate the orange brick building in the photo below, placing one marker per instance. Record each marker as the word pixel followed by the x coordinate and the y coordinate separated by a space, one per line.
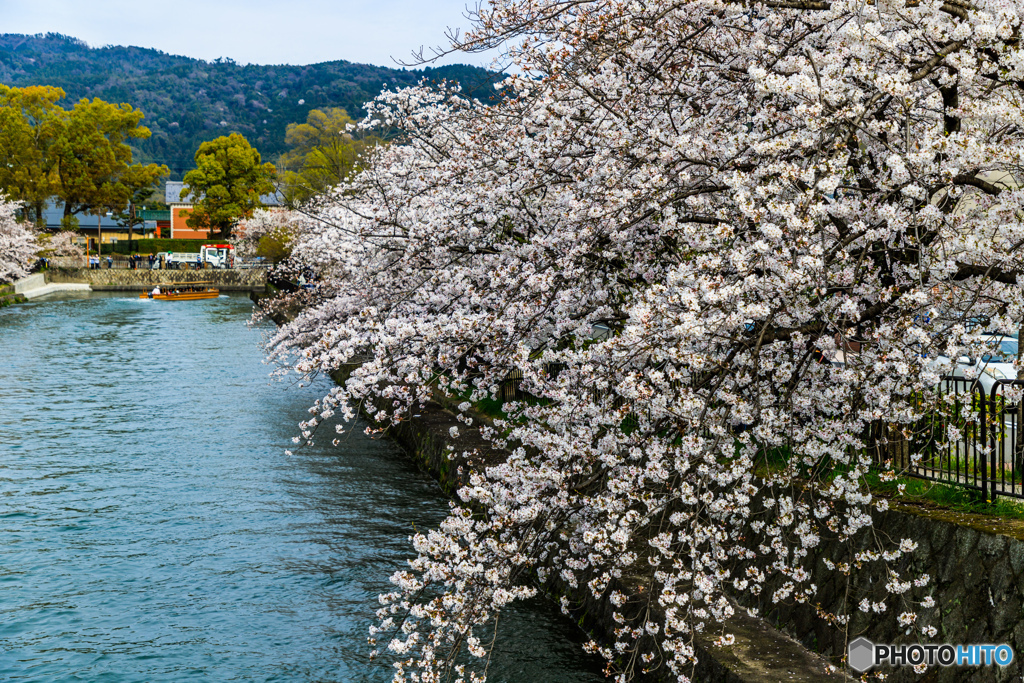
pixel 181 209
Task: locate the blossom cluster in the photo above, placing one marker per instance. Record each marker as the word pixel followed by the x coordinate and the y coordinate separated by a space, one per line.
pixel 18 245
pixel 719 242
pixel 64 243
pixel 264 222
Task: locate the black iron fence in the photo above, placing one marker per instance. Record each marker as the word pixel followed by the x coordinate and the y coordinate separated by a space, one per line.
pixel 971 438
pixel 970 435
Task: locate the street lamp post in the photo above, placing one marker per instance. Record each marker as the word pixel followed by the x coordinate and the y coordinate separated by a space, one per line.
pixel 131 226
pixel 99 235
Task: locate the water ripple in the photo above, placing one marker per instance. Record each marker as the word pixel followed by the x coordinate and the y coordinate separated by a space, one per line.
pixel 152 528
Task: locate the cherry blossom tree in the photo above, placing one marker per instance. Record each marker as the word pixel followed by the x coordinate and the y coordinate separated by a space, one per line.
pixel 276 223
pixel 65 243
pixel 681 214
pixel 18 245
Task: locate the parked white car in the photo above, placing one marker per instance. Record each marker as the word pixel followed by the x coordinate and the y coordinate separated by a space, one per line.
pixel 995 364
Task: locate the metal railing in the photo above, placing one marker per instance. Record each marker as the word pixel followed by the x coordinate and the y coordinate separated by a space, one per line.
pixel 972 439
pixel 116 262
pixel 252 263
pixel 122 262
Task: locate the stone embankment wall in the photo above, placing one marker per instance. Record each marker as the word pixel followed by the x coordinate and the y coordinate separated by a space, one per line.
pixel 227 280
pixel 8 296
pixel 976 569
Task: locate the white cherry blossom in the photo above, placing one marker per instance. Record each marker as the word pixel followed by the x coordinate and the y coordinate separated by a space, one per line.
pixel 18 245
pixel 682 212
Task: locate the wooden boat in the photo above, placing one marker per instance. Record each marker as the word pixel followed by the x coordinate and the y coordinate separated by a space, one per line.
pixel 183 291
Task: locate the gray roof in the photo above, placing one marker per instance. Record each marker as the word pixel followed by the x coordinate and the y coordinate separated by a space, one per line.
pixel 53 212
pixel 172 195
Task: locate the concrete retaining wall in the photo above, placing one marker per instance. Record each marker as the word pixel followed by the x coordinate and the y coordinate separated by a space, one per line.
pixel 35 286
pixel 227 280
pixel 31 282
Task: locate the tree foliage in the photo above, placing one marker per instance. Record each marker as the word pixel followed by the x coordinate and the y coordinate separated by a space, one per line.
pixel 94 162
pixel 61 244
pixel 30 127
pixel 228 181
pixel 322 153
pixel 80 157
pixel 735 193
pixel 269 234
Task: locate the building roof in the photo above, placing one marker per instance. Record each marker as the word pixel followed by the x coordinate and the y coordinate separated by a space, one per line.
pixel 53 212
pixel 172 195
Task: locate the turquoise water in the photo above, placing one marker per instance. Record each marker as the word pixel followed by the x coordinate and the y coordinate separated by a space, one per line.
pixel 152 527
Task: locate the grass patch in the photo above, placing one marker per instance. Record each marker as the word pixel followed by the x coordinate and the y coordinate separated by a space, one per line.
pixel 921 491
pixel 915 491
pixel 491 407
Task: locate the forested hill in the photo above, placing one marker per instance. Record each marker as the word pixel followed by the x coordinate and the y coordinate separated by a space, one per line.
pixel 187 101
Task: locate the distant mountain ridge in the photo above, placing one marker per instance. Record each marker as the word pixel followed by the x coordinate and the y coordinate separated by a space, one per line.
pixel 188 101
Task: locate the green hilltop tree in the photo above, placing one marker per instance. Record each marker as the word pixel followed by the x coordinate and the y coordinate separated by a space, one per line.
pixel 228 181
pixel 322 152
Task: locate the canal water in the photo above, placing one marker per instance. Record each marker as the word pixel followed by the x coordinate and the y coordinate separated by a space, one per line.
pixel 152 527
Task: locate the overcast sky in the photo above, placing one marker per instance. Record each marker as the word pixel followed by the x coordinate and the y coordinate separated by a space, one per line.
pixel 252 31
